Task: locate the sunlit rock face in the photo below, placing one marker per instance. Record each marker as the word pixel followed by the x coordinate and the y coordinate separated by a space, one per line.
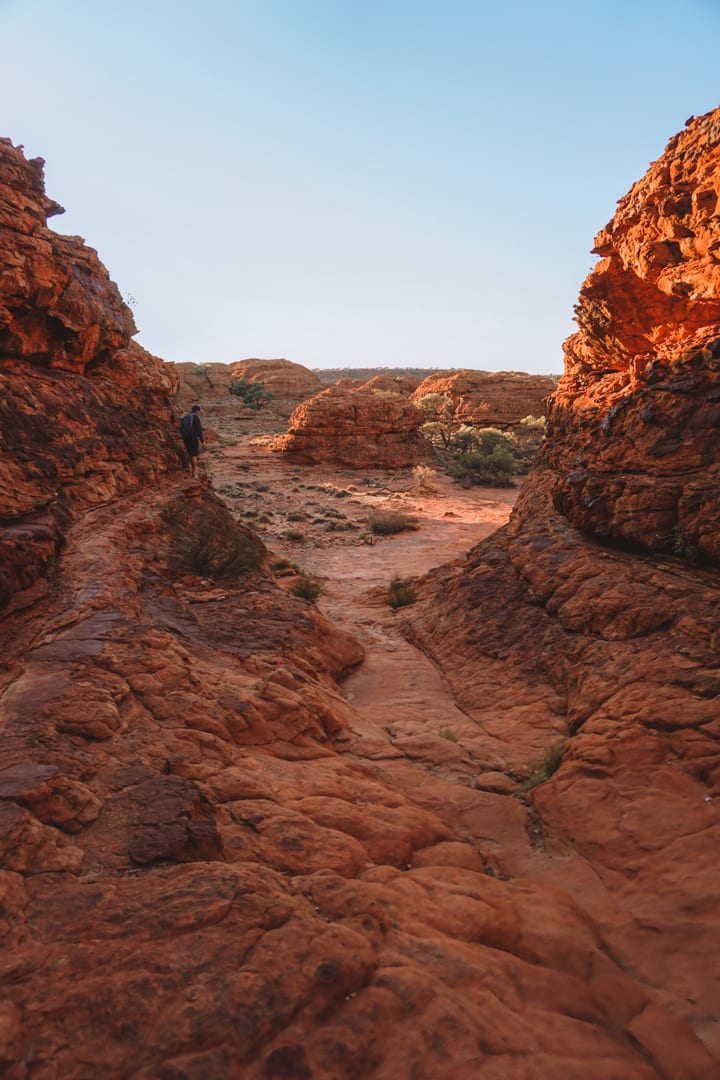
pixel 544 624
pixel 635 425
pixel 490 398
pixel 85 412
pixel 357 429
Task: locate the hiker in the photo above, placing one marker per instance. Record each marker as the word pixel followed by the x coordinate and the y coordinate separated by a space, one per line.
pixel 192 433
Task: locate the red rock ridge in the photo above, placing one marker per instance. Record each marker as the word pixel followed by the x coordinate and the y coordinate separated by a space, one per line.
pixel 357 429
pixel 622 646
pixel 490 398
pixel 634 430
pixel 85 412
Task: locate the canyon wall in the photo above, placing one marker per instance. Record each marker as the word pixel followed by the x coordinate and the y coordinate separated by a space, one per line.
pixel 634 433
pixel 85 412
pixel 212 864
pixel 603 594
pixel 490 398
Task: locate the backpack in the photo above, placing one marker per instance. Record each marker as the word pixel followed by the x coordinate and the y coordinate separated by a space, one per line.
pixel 187 425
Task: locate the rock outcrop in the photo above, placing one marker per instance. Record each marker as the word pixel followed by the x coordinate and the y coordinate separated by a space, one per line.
pixel 357 429
pixel 619 644
pixel 211 864
pixel 635 427
pixel 498 399
pixel 281 378
pixel 85 412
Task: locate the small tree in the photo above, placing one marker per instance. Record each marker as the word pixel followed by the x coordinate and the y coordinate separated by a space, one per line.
pixel 253 394
pixel 487 456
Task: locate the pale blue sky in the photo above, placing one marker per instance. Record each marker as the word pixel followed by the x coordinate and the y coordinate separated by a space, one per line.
pixel 350 182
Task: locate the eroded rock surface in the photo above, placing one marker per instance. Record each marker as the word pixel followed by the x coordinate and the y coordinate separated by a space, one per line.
pixel 623 646
pixel 357 428
pixel 635 425
pixel 85 412
pixel 215 864
pixel 490 398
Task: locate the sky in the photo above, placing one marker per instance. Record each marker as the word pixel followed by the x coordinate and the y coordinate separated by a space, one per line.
pixel 351 183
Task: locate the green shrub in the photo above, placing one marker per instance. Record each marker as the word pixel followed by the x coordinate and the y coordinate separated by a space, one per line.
pixel 207 542
pixel 282 564
pixel 200 370
pixel 400 593
pixel 253 394
pixel 307 587
pixel 549 765
pixel 386 522
pixel 487 457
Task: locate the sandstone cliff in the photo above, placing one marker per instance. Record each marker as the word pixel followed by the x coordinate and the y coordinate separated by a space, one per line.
pixel 621 644
pixel 85 412
pixel 357 429
pixel 490 399
pixel 635 425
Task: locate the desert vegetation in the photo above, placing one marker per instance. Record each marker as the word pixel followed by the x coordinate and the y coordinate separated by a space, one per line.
pixel 207 542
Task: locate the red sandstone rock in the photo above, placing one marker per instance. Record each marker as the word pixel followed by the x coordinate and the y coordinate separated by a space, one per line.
pixel 85 412
pixel 490 399
pixel 635 420
pixel 281 378
pixel 397 384
pixel 200 878
pixel 621 646
pixel 357 428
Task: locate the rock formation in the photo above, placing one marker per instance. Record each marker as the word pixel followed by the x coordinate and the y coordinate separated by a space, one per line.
pixel 635 428
pixel 212 865
pixel 86 412
pixel 357 429
pixel 490 398
pixel 393 384
pixel 620 644
pixel 288 383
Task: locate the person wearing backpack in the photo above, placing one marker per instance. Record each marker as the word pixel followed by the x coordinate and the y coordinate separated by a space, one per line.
pixel 192 434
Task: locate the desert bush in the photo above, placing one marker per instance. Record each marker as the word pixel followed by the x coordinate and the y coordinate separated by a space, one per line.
pixel 534 423
pixel 491 462
pixel 200 370
pixel 424 479
pixel 206 541
pixel 307 587
pixel 450 734
pixel 296 515
pixel 253 394
pixel 296 536
pixel 550 764
pixel 386 522
pixel 400 593
pixel 282 564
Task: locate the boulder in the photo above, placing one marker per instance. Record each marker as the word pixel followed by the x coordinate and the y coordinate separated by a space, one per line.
pixel 498 399
pixel 357 429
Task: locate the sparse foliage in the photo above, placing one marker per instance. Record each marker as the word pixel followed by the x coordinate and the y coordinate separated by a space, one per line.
pixel 550 764
pixel 206 541
pixel 307 587
pixel 386 522
pixel 424 479
pixel 400 593
pixel 253 394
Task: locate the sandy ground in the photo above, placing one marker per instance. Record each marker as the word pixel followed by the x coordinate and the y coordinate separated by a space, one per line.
pixel 397 688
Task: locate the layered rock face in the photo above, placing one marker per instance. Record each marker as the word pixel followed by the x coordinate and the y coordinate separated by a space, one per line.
pixel 490 399
pixel 635 425
pixel 622 646
pixel 281 378
pixel 356 429
pixel 85 412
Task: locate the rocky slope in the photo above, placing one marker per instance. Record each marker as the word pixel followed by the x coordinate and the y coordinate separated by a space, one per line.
pixel 214 864
pixel 357 428
pixel 490 399
pixel 86 412
pixel 621 644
